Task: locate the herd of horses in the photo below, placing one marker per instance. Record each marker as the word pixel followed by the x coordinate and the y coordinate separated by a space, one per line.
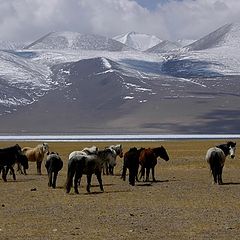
pixel 89 161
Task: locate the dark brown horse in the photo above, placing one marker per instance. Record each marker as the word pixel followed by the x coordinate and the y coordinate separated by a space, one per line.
pixel 131 162
pixel 8 157
pixel 148 160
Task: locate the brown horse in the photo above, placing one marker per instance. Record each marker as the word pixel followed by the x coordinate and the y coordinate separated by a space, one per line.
pixel 36 154
pixel 148 160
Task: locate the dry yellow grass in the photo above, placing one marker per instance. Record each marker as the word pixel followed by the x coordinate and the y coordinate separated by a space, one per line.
pixel 183 204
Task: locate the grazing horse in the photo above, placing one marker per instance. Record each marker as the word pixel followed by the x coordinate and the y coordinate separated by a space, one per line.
pixel 8 157
pixel 36 154
pixel 216 157
pixel 108 169
pixel 148 159
pixel 131 162
pixel 87 164
pixel 53 165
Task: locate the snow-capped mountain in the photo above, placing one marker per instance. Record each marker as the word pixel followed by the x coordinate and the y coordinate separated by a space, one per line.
pixel 22 81
pixel 76 41
pixel 164 46
pixel 10 45
pixel 225 36
pixel 59 85
pixel 216 54
pixel 138 41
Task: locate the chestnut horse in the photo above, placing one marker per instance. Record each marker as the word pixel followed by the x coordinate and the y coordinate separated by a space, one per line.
pixel 148 160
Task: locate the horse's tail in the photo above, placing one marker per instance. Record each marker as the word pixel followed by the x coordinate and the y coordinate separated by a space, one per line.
pixel 124 171
pixel 215 164
pixel 70 174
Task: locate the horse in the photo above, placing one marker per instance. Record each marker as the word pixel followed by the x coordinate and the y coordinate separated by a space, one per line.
pixel 216 157
pixel 108 169
pixel 36 154
pixel 53 165
pixel 148 160
pixel 85 151
pixel 8 157
pixel 131 162
pixel 88 165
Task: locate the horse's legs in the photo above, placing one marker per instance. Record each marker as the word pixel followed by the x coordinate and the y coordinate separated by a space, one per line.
pixel 50 177
pixel 39 164
pixel 136 175
pixel 54 179
pixel 89 178
pixel 69 182
pixel 111 170
pixel 4 175
pixel 105 169
pixel 153 175
pixel 99 178
pixel 77 181
pixel 132 176
pixel 12 171
pixel 124 172
pixel 147 174
pixel 19 168
pixel 215 175
pixel 220 182
pixel 142 173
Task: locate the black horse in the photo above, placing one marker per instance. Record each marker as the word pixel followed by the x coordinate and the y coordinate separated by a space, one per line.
pixel 8 157
pixel 80 164
pixel 131 162
pixel 216 157
pixel 53 165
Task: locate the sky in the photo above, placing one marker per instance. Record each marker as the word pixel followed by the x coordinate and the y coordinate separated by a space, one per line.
pixel 28 20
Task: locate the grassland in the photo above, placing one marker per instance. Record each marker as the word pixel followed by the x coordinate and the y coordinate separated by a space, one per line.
pixel 182 204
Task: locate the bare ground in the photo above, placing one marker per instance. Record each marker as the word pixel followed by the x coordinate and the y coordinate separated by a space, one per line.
pixel 182 204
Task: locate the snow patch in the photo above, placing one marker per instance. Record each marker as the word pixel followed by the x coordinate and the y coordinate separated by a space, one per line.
pixel 128 97
pixel 106 63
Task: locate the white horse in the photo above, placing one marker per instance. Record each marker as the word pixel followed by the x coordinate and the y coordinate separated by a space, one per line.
pixel 85 151
pixel 216 157
pixel 87 164
pixel 118 150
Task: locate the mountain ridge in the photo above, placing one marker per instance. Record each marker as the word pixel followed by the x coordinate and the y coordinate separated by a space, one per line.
pixel 70 90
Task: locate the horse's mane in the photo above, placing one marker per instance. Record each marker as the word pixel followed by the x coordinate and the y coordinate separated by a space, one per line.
pixel 225 147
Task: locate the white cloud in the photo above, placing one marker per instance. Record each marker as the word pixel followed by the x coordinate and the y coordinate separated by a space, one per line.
pixel 31 19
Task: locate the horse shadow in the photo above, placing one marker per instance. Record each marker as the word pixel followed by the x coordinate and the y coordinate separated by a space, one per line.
pixel 93 193
pixel 20 180
pixel 231 183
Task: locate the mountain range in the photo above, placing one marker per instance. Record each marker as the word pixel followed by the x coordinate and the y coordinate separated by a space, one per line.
pixel 73 83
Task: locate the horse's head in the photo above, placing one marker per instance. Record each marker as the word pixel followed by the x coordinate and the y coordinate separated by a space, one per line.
pixel 119 150
pixel 161 152
pixel 45 148
pixel 111 156
pixel 232 148
pixel 18 149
